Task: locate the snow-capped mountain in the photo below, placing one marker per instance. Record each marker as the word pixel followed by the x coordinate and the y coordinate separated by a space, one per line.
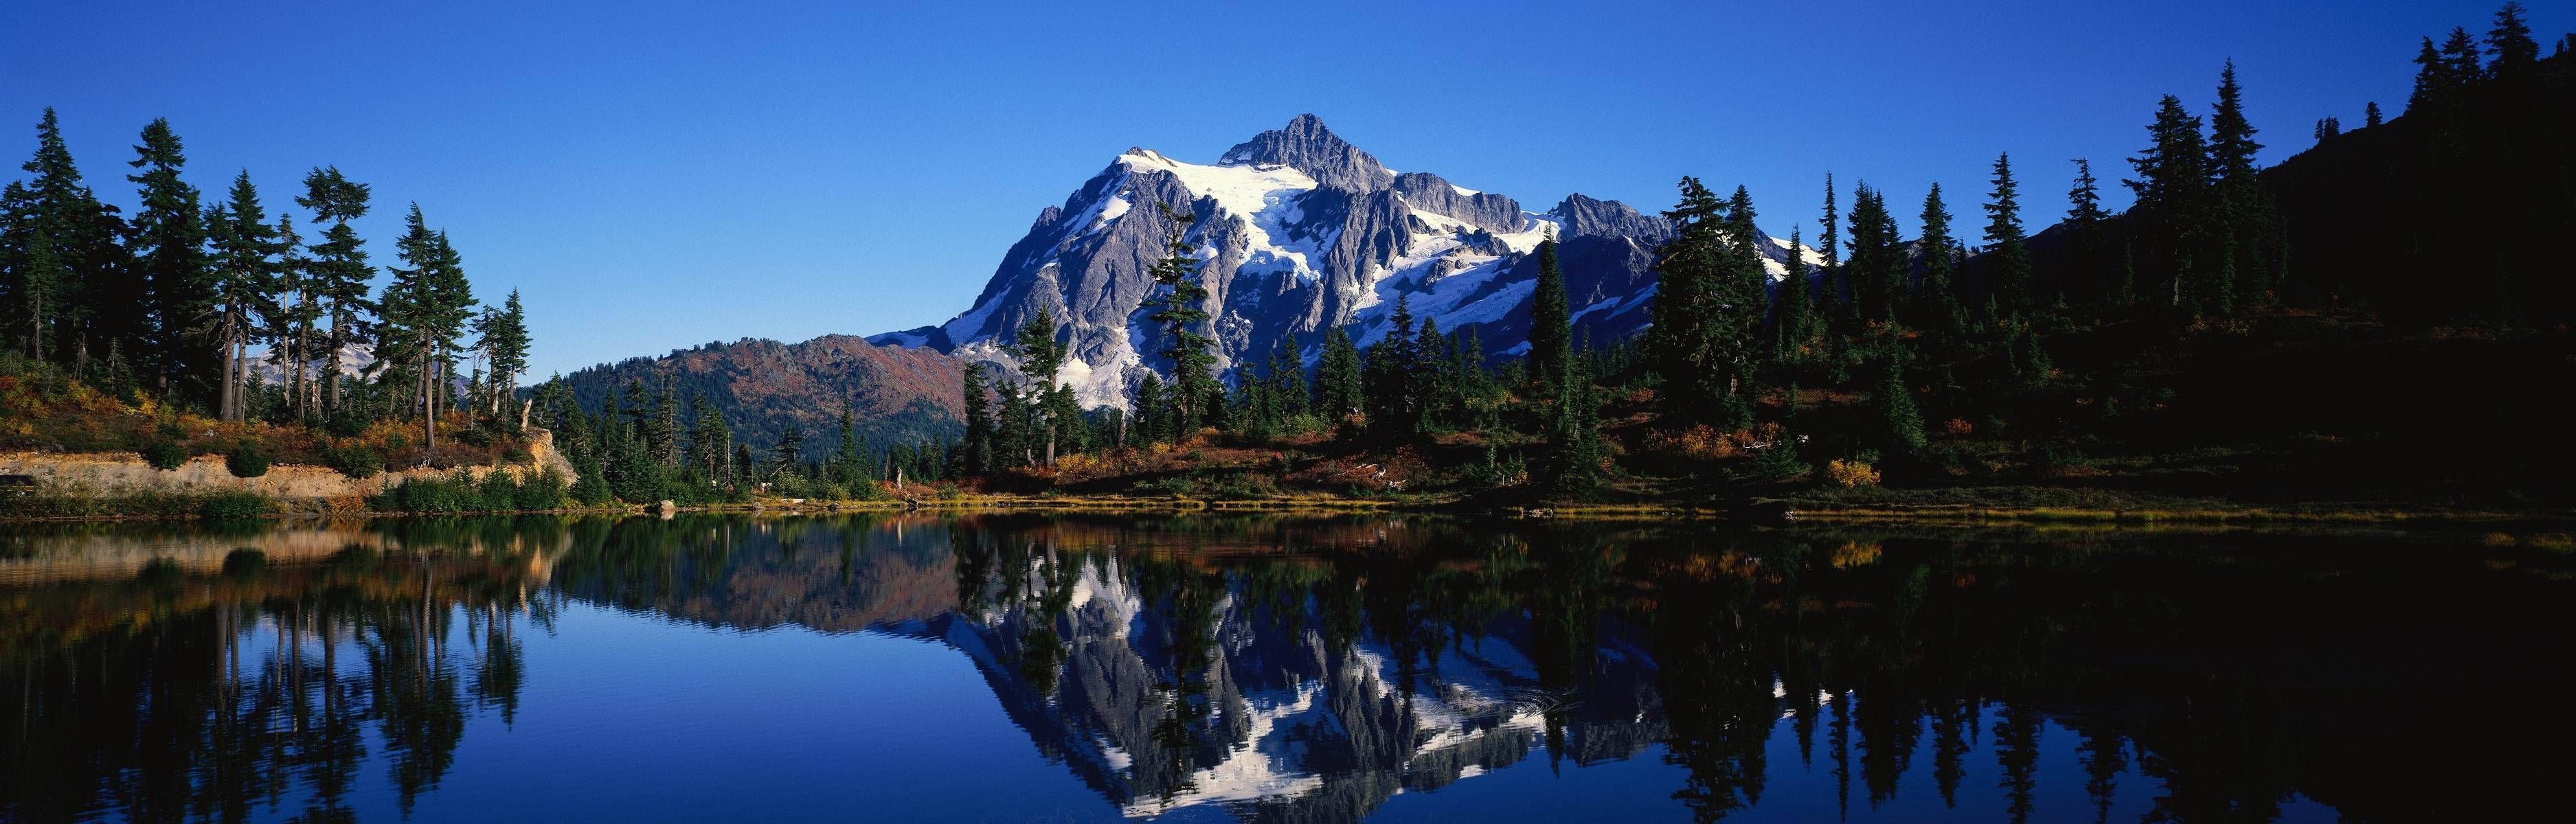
pixel 1300 231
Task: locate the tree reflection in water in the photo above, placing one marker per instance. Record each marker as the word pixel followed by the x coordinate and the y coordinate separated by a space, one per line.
pixel 1286 669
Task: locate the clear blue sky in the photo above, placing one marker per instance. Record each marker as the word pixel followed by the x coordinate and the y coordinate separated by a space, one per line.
pixel 656 175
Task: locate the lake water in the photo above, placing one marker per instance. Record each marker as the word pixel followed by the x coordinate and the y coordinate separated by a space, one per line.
pixel 1215 668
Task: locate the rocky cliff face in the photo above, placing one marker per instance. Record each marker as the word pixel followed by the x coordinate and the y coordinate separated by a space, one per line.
pixel 1300 232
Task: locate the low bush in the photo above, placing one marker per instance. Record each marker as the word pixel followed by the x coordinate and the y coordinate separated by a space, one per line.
pixel 357 462
pixel 1851 473
pixel 233 506
pixel 165 455
pixel 247 461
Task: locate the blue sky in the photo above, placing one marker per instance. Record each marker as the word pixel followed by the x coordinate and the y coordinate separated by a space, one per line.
pixel 657 175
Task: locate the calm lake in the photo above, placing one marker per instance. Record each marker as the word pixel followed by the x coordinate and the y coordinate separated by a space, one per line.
pixel 1266 668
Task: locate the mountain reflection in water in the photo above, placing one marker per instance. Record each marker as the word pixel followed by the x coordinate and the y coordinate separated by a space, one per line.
pixel 1269 669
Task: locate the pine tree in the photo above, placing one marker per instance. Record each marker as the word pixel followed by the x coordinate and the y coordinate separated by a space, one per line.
pixel 289 322
pixel 2328 127
pixel 1793 310
pixel 246 279
pixel 1153 411
pixel 710 440
pixel 978 446
pixel 1571 462
pixel 2370 115
pixel 1339 389
pixel 338 276
pixel 1705 310
pixel 1041 358
pixel 1876 267
pixel 169 249
pixel 1829 286
pixel 2240 207
pixel 2172 191
pixel 503 338
pixel 1551 321
pixel 1287 378
pixel 1182 309
pixel 425 310
pixel 788 462
pixel 1900 421
pixel 2084 218
pixel 2010 272
pixel 82 295
pixel 2510 43
pixel 1390 378
pixel 2460 59
pixel 1936 298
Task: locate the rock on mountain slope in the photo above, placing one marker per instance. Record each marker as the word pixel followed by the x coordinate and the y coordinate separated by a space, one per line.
pixel 1300 231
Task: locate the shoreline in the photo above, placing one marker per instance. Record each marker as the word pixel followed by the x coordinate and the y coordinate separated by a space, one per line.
pixel 1893 510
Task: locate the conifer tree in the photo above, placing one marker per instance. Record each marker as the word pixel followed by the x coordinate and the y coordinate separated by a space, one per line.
pixel 1793 312
pixel 1551 321
pixel 2370 115
pixel 504 340
pixel 168 244
pixel 1876 267
pixel 2328 127
pixel 1830 304
pixel 338 276
pixel 2510 43
pixel 789 461
pixel 1706 310
pixel 289 320
pixel 1900 421
pixel 1182 309
pixel 1390 377
pixel 2172 191
pixel 1153 411
pixel 978 445
pixel 246 280
pixel 1041 358
pixel 425 311
pixel 2240 207
pixel 1287 378
pixel 1571 462
pixel 2084 218
pixel 82 297
pixel 1936 298
pixel 2010 273
pixel 711 441
pixel 1339 389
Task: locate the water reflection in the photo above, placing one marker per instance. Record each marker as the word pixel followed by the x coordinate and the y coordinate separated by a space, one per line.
pixel 1277 669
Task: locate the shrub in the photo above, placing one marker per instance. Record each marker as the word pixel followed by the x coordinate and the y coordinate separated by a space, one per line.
pixel 497 490
pixel 233 506
pixel 357 462
pixel 544 491
pixel 431 493
pixel 1851 473
pixel 247 461
pixel 165 456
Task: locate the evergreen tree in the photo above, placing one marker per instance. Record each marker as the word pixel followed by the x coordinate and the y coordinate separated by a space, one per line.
pixel 1182 309
pixel 169 247
pixel 849 459
pixel 711 446
pixel 503 338
pixel 1551 320
pixel 2240 207
pixel 1571 462
pixel 1900 421
pixel 1288 378
pixel 1041 358
pixel 1153 411
pixel 246 280
pixel 1339 390
pixel 2084 218
pixel 788 463
pixel 1390 378
pixel 425 311
pixel 1877 265
pixel 2510 43
pixel 1936 298
pixel 978 446
pixel 2328 127
pixel 2370 115
pixel 1830 303
pixel 2010 273
pixel 81 297
pixel 1706 310
pixel 2172 191
pixel 1793 311
pixel 290 321
pixel 338 276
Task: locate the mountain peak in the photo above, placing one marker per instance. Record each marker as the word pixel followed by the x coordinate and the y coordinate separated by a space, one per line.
pixel 1306 145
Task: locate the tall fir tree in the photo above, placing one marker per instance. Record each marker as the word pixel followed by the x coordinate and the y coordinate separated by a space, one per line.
pixel 247 275
pixel 2370 115
pixel 2242 231
pixel 1339 388
pixel 1793 309
pixel 503 337
pixel 338 275
pixel 978 443
pixel 2010 274
pixel 426 308
pixel 169 247
pixel 83 296
pixel 2509 44
pixel 1393 391
pixel 1041 359
pixel 1936 297
pixel 2171 211
pixel 1551 319
pixel 1830 303
pixel 1182 311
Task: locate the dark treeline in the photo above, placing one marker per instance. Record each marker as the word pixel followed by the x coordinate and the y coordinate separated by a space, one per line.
pixel 1869 350
pixel 198 300
pixel 650 443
